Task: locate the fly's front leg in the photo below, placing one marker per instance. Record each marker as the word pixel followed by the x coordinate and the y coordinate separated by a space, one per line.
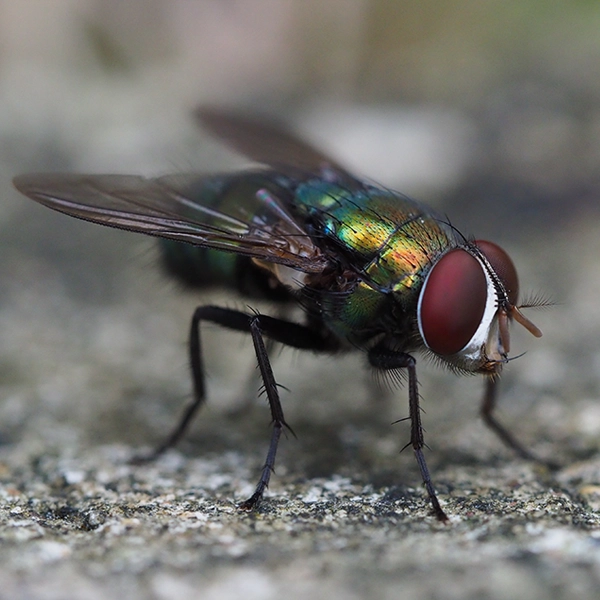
pixel 382 358
pixel 488 407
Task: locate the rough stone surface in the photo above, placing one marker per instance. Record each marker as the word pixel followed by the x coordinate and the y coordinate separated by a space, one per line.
pixel 93 373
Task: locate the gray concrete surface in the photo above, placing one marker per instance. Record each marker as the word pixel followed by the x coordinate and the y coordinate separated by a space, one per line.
pixel 93 368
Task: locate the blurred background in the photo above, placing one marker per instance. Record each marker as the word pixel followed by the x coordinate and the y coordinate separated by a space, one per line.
pixel 489 111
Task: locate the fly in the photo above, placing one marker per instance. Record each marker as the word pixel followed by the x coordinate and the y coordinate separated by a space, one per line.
pixel 372 269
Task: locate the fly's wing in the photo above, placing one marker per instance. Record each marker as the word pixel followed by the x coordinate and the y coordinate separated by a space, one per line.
pixel 269 143
pixel 172 207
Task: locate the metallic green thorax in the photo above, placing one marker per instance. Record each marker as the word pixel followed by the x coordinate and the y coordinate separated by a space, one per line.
pixel 390 242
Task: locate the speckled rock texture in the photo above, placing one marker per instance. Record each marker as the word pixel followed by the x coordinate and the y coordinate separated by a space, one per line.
pixel 93 364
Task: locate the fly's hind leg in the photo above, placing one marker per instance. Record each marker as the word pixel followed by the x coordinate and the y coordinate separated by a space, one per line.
pixel 259 326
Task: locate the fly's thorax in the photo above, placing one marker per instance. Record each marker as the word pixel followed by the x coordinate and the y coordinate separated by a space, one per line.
pixel 385 240
pixel 389 240
pixel 357 312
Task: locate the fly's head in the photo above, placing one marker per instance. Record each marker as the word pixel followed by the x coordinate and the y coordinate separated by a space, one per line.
pixel 466 304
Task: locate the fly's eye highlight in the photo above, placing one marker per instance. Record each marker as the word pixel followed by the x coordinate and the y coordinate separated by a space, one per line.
pixel 452 302
pixel 503 266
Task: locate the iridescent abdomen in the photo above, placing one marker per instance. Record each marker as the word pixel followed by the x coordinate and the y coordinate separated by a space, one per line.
pixel 234 196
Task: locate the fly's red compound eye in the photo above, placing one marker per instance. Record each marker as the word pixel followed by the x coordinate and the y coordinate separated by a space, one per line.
pixel 503 266
pixel 452 302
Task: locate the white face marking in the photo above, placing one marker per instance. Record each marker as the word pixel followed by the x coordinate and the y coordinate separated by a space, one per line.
pixel 475 349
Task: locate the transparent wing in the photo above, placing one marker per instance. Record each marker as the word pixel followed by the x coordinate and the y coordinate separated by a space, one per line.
pixel 268 143
pixel 172 207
